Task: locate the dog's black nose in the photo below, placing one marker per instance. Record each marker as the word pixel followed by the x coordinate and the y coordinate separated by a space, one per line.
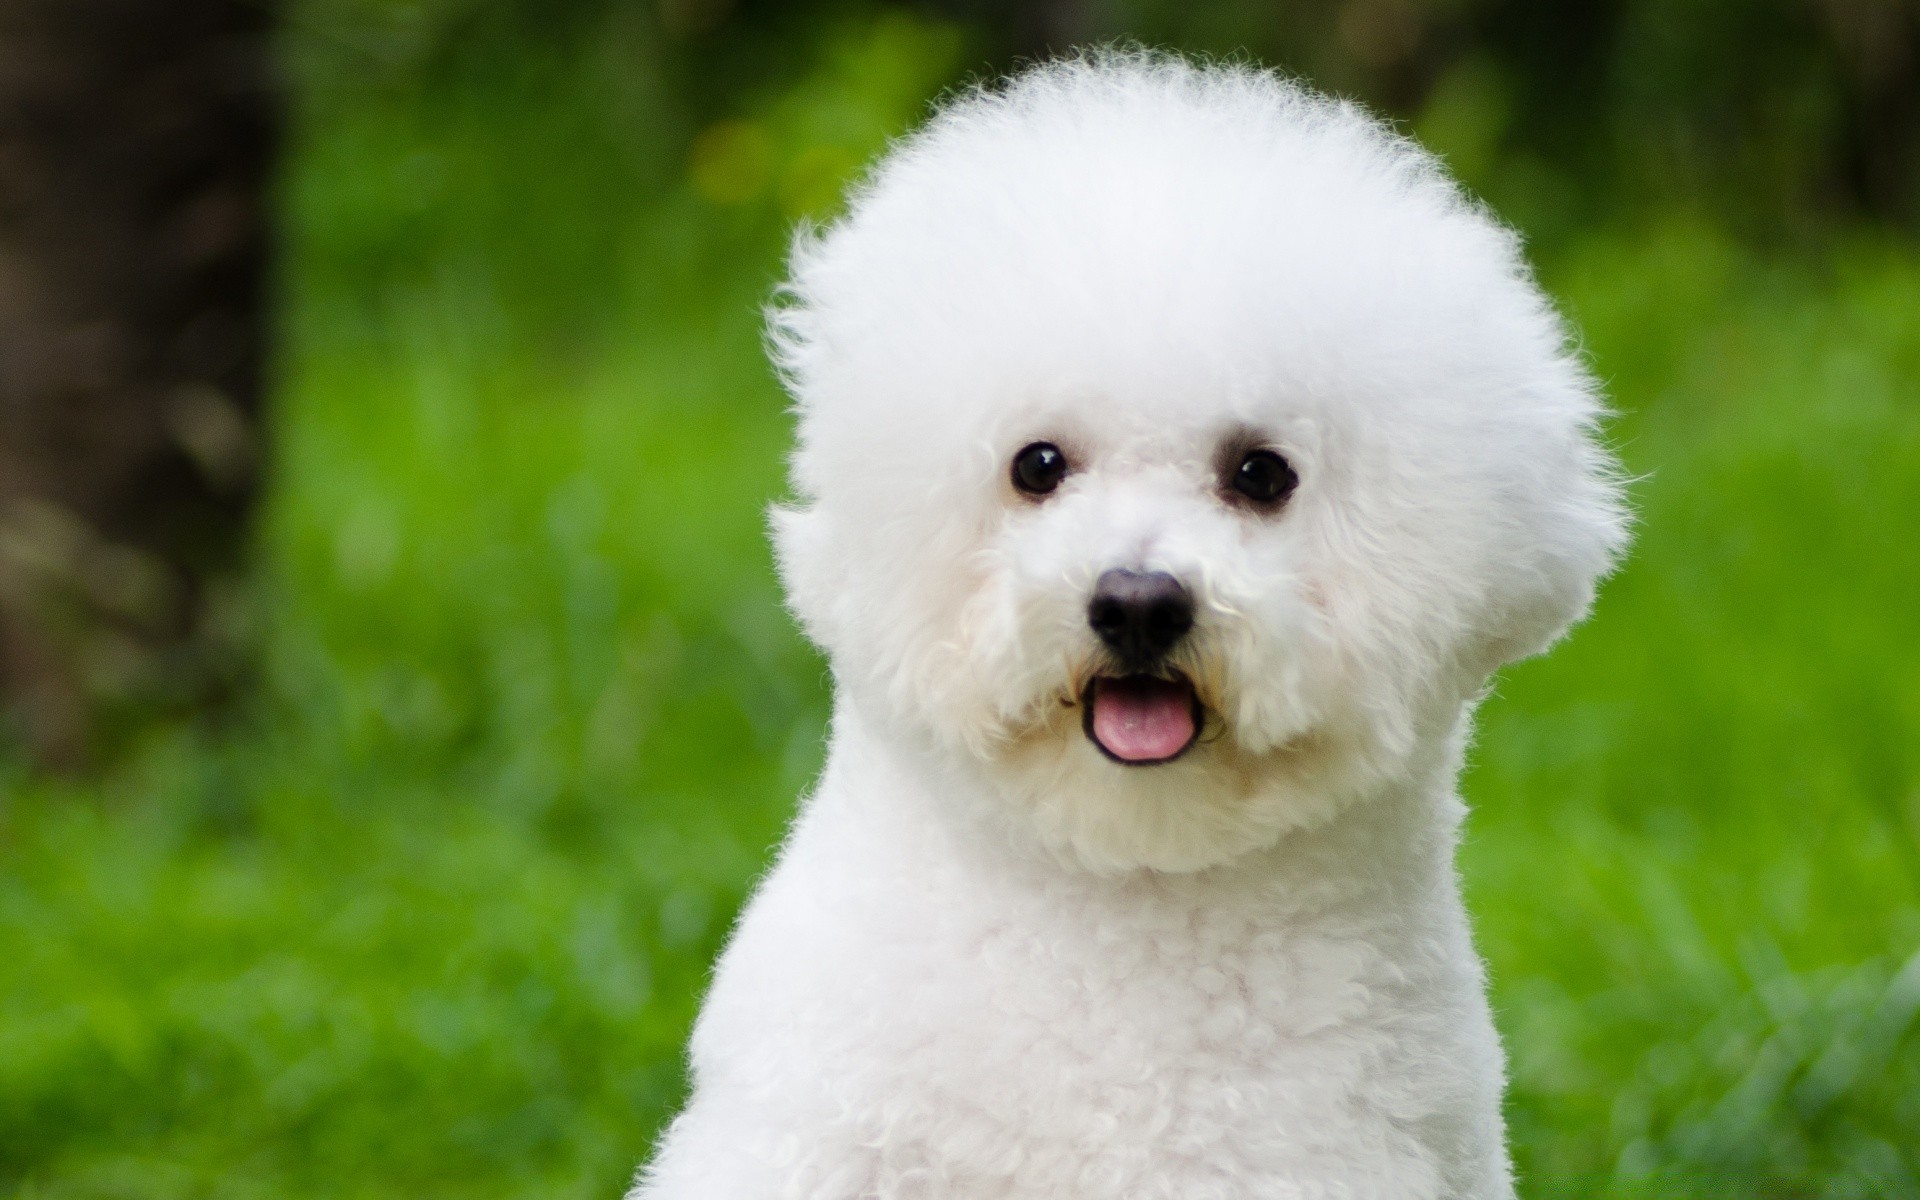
pixel 1140 615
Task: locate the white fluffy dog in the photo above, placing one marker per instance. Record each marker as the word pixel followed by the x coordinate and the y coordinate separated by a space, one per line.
pixel 1180 452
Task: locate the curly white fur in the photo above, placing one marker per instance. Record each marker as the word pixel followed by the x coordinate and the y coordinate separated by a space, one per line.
pixel 992 963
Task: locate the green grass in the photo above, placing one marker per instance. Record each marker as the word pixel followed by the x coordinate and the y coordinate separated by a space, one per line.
pixel 430 918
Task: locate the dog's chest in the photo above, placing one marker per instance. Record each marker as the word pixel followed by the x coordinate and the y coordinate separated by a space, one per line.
pixel 1028 1031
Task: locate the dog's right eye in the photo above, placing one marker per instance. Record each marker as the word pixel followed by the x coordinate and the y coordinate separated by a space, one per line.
pixel 1264 478
pixel 1039 468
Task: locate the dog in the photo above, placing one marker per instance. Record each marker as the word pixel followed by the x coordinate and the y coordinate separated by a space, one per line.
pixel 1179 454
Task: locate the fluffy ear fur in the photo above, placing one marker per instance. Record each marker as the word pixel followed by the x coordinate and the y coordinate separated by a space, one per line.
pixel 1589 530
pixel 1568 526
pixel 802 555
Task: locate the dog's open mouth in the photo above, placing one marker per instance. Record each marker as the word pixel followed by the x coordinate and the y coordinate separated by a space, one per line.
pixel 1140 720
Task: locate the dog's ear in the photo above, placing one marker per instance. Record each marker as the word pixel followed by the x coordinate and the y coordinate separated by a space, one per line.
pixel 800 550
pixel 1566 535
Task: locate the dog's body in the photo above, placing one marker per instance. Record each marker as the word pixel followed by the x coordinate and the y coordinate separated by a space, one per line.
pixel 1179 455
pixel 907 1011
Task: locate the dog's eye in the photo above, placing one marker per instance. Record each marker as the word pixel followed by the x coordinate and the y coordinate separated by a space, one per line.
pixel 1038 468
pixel 1264 478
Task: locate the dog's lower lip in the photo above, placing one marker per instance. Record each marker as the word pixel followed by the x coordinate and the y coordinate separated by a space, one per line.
pixel 1143 718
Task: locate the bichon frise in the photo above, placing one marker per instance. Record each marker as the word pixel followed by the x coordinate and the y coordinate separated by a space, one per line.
pixel 1179 454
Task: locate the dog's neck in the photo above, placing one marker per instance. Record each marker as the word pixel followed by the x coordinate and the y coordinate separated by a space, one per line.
pixel 1390 848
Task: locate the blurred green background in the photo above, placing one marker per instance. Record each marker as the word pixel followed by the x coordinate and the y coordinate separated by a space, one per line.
pixel 428 914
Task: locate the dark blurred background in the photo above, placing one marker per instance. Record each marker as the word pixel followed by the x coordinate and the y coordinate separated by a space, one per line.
pixel 397 698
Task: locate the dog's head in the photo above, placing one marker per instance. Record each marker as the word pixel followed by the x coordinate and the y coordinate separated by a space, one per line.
pixel 1180 451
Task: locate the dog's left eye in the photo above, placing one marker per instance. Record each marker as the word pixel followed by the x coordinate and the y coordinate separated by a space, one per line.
pixel 1039 468
pixel 1264 478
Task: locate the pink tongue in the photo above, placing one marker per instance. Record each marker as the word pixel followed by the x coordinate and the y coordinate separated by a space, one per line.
pixel 1141 719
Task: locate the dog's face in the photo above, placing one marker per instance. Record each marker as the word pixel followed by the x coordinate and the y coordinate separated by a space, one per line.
pixel 1179 455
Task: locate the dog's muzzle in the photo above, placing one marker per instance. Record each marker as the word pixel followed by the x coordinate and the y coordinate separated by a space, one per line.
pixel 1146 715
